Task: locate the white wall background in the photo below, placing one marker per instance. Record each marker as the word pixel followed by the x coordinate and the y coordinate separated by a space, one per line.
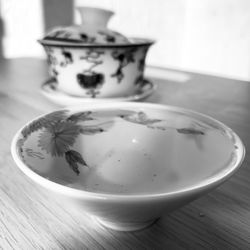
pixel 23 25
pixel 208 36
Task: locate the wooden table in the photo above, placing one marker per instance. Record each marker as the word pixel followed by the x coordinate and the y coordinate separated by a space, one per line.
pixel 32 219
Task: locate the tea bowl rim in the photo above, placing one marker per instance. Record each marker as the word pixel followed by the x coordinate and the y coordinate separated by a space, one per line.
pixel 203 185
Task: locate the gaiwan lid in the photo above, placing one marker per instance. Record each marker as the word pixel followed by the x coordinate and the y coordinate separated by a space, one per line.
pixel 92 30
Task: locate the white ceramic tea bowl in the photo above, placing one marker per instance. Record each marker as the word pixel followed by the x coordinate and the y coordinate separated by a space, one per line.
pixel 90 60
pixel 127 164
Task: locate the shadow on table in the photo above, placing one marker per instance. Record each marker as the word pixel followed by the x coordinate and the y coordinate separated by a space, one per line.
pixel 102 238
pixel 169 232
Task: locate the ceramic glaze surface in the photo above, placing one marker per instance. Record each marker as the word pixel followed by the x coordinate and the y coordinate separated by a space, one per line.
pixel 93 29
pixel 85 35
pixel 50 90
pixel 92 61
pixel 127 151
pixel 97 72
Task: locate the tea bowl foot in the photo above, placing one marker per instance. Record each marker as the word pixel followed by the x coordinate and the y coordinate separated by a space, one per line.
pixel 124 226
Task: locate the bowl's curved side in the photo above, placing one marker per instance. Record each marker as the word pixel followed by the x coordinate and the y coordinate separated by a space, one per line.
pixel 121 210
pixel 221 176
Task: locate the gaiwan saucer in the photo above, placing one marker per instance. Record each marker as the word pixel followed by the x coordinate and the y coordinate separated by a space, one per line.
pixel 50 90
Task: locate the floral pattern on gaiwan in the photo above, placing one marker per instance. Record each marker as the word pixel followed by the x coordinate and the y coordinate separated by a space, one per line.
pixel 85 36
pixel 68 59
pixel 52 61
pixel 139 81
pixel 90 79
pixel 124 57
pixel 108 37
pixel 126 67
pixel 119 61
pixel 67 35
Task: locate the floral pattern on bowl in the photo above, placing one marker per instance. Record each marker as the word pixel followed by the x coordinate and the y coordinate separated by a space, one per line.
pixel 59 130
pixel 127 164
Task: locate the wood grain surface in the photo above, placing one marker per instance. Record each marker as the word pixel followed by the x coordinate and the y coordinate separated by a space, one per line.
pixel 30 218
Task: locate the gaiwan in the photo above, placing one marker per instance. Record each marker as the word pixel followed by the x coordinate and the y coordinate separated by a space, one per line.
pixel 90 60
pixel 137 160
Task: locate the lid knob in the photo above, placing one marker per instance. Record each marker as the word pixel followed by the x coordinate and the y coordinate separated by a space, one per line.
pixel 94 16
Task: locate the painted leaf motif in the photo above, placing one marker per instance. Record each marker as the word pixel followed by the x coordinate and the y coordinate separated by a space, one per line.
pixel 145 120
pixel 190 131
pixel 20 144
pixel 56 116
pixel 57 139
pixel 32 127
pixel 30 152
pixel 80 116
pixel 91 130
pixel 44 122
pixel 158 127
pixel 140 118
pixel 73 158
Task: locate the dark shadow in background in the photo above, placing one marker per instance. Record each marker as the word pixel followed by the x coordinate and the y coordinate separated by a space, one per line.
pixel 1 37
pixel 57 13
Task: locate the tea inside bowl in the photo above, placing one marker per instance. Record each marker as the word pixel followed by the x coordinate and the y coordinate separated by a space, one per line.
pixel 127 151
